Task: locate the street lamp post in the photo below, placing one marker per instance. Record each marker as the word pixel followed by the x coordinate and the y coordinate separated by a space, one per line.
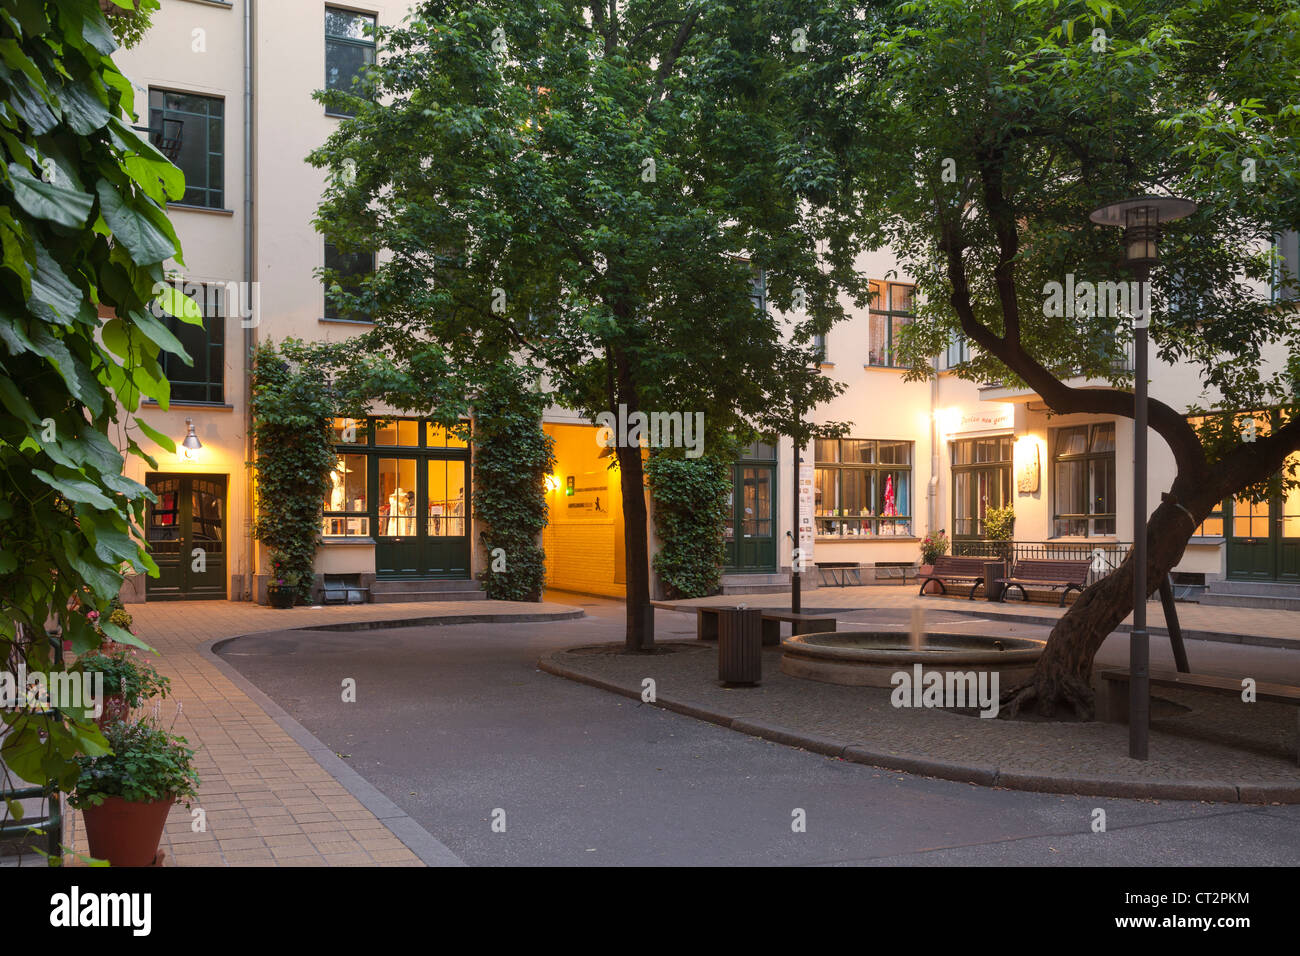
pixel 1141 218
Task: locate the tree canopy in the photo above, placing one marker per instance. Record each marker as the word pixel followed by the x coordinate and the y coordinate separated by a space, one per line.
pixel 598 192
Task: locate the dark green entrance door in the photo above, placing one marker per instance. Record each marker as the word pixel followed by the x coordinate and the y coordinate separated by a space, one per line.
pixel 1264 538
pixel 751 534
pixel 422 522
pixel 186 534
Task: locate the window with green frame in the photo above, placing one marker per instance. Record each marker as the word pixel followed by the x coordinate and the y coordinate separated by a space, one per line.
pixel 348 269
pixel 203 382
pixel 891 312
pixel 862 488
pixel 1083 480
pixel 349 49
pixel 981 479
pixel 957 352
pixel 348 505
pixel 198 123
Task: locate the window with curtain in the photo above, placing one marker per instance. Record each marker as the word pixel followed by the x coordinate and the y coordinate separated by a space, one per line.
pixel 981 479
pixel 1083 480
pixel 863 488
pixel 891 312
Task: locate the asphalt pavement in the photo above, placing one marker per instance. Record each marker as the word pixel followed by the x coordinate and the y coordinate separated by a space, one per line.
pixel 506 765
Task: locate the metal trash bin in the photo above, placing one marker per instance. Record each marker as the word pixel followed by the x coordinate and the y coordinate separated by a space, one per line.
pixel 740 645
pixel 992 571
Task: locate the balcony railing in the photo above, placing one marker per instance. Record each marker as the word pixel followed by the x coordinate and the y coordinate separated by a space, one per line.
pixel 1105 557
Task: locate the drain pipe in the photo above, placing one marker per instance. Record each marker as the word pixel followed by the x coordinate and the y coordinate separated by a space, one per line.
pixel 932 486
pixel 249 323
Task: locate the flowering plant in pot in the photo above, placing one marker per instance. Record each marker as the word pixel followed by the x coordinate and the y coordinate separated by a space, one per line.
pixel 933 546
pixel 283 586
pixel 129 680
pixel 125 795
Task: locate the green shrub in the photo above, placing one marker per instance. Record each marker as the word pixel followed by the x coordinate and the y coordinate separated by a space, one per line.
pixel 126 675
pixel 1000 523
pixel 512 456
pixel 690 512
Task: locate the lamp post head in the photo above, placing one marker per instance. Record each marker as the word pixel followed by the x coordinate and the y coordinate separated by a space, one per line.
pixel 1141 218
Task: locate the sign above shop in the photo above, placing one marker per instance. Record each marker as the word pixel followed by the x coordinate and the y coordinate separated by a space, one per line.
pixel 989 418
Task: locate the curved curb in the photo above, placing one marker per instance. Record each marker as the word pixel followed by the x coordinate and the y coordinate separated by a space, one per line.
pixel 430 850
pixel 1009 778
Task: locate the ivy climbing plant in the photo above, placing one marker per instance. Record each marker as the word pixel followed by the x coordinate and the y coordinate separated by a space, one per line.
pixel 512 456
pixel 293 403
pixel 84 240
pixel 690 511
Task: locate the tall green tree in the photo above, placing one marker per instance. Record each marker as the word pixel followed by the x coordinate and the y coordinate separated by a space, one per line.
pixel 595 189
pixel 84 240
pixel 996 127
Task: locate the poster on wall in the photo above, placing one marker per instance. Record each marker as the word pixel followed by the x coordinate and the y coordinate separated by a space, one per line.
pixel 590 498
pixel 807 531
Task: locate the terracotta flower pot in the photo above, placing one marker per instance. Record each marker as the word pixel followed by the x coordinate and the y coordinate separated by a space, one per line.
pixel 924 571
pixel 126 833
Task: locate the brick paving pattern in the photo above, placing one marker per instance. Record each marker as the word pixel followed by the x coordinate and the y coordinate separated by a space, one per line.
pixel 267 801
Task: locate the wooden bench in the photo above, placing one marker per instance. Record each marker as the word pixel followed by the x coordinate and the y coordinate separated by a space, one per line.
pixel 839 572
pixel 1112 692
pixel 956 570
pixel 706 623
pixel 1045 573
pixel 799 624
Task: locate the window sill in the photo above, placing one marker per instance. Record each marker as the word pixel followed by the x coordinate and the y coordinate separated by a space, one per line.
pixel 857 538
pixel 339 539
pixel 210 210
pixel 223 4
pixel 885 368
pixel 825 364
pixel 1206 539
pixel 340 115
pixel 346 321
pixel 210 406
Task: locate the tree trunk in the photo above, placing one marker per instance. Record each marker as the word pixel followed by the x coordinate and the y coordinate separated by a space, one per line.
pixel 1064 672
pixel 640 615
pixel 640 636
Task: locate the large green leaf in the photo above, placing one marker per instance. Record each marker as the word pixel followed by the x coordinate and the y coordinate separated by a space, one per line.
pixel 57 203
pixel 75 489
pixel 134 227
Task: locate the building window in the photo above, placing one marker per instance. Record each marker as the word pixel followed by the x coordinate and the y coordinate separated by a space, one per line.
pixel 981 479
pixel 347 502
pixel 1083 479
pixel 863 488
pixel 345 270
pixel 191 129
pixel 1286 277
pixel 367 458
pixel 819 347
pixel 957 352
pixel 203 382
pixel 349 49
pixel 891 311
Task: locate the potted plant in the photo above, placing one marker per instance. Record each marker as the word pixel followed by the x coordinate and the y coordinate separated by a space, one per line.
pixel 932 547
pixel 283 586
pixel 128 681
pixel 125 795
pixel 999 527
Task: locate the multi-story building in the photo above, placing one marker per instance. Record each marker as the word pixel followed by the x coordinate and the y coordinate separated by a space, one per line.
pixel 226 88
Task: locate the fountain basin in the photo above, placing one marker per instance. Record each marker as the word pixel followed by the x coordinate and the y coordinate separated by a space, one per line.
pixel 871 658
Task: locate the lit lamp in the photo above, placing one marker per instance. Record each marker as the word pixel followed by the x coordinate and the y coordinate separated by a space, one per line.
pixel 191 446
pixel 1140 219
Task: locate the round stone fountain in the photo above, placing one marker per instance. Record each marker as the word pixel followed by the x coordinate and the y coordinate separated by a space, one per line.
pixel 871 658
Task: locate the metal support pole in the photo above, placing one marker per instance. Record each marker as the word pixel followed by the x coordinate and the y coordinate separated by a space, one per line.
pixel 796 584
pixel 1139 653
pixel 1173 626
